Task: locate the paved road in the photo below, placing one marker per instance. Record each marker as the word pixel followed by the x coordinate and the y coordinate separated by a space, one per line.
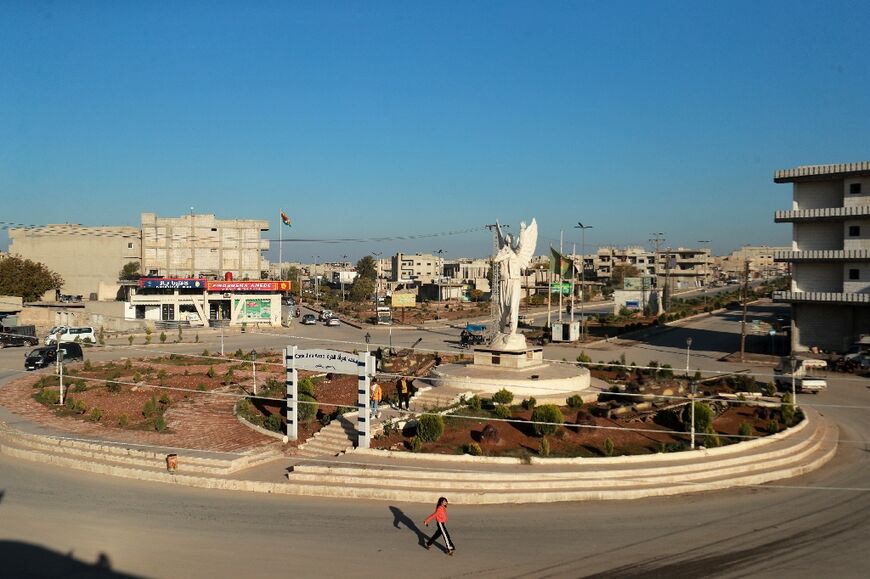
pixel 806 527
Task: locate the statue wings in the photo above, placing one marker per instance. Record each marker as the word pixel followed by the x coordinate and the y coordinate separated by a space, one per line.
pixel 526 243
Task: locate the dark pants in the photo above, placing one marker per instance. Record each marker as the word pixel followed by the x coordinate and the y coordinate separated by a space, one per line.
pixel 405 399
pixel 442 531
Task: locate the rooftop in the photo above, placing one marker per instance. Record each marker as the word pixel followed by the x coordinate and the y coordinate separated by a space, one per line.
pixel 814 172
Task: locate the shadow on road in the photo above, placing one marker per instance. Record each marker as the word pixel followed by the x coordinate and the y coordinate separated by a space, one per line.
pixel 400 518
pixel 28 560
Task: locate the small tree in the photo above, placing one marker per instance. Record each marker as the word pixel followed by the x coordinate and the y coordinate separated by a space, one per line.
pixel 608 447
pixel 548 414
pixel 430 427
pixel 130 271
pixel 503 396
pixel 162 337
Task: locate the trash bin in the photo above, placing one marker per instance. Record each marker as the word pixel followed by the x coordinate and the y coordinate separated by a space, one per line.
pixel 171 462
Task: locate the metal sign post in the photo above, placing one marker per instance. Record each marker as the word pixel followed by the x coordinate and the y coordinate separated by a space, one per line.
pixel 292 381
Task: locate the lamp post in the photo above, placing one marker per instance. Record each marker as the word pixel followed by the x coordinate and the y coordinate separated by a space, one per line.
pixel 583 229
pixel 793 362
pixel 706 270
pixel 694 388
pixel 368 339
pixel 377 256
pixel 254 369
pixel 688 351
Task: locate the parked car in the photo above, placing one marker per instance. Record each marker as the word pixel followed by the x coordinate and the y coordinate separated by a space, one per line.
pixel 17 336
pixel 47 355
pixel 333 321
pixel 72 334
pixel 309 319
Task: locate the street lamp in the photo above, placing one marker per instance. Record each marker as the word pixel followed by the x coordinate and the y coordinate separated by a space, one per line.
pixel 368 339
pixel 583 229
pixel 688 350
pixel 377 256
pixel 706 271
pixel 694 387
pixel 254 369
pixel 793 361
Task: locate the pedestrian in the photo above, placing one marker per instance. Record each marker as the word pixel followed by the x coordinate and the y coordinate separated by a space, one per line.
pixel 404 392
pixel 375 399
pixel 440 516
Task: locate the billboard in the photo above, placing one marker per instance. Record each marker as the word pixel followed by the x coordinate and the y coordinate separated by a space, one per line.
pixel 247 286
pixel 404 300
pixel 563 287
pixel 256 309
pixel 171 283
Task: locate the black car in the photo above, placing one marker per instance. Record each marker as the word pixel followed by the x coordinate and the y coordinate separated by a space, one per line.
pixel 47 355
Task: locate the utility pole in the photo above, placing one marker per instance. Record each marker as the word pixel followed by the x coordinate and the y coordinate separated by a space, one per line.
pixel 583 229
pixel 656 240
pixel 743 320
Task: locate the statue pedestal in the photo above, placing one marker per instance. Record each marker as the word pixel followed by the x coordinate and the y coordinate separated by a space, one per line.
pixel 508 343
pixel 516 359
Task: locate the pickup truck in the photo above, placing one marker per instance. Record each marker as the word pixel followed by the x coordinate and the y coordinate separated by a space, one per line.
pixel 806 379
pixel 18 336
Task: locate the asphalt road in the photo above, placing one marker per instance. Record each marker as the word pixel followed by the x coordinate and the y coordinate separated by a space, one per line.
pixel 810 526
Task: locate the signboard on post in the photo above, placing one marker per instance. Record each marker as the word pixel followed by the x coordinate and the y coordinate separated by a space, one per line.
pixel 563 287
pixel 404 300
pixel 337 362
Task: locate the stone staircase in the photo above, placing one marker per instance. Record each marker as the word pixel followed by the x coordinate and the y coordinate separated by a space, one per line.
pixel 333 439
pixel 428 398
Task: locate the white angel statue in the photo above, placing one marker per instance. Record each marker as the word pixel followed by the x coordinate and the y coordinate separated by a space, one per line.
pixel 511 259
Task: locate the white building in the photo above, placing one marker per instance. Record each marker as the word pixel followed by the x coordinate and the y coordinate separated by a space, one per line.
pixel 830 254
pixel 420 267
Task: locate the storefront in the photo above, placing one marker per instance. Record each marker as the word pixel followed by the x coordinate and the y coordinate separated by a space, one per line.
pixel 200 301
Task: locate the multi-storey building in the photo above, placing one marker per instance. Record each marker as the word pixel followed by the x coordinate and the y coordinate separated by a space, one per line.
pixel 420 267
pixel 203 246
pixel 601 264
pixel 830 254
pixel 86 257
pixel 759 259
pixel 683 268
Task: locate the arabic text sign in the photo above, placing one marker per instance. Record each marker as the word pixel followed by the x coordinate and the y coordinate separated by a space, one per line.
pixel 255 286
pixel 326 361
pixel 172 283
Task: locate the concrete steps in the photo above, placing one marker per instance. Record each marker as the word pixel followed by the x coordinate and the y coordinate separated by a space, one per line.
pixel 332 440
pixel 428 398
pixel 25 445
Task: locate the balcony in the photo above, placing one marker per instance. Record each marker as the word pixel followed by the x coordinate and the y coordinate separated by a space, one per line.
pixel 822 297
pixel 821 214
pixel 823 255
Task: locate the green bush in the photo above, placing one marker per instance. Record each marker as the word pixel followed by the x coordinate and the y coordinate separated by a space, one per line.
pixel 430 427
pixel 475 402
pixel 80 407
pixel 472 448
pixel 130 339
pixel 666 371
pixel 584 358
pixel 273 423
pixel 201 387
pixel 770 389
pixel 205 352
pixel 229 377
pixel 70 402
pixel 160 424
pixel 161 375
pixel 113 387
pixel 575 401
pixel 608 447
pixel 773 426
pixel 211 373
pixel 787 410
pixel 306 386
pixel 128 364
pixel 544 447
pixel 123 421
pixel 703 417
pixel 137 377
pixel 548 413
pixel 165 400
pixel 744 429
pixel 150 408
pixel 239 354
pixel 47 397
pixel 503 411
pixel 88 365
pixel 503 396
pixel 307 408
pixel 162 337
pixel 80 386
pixel 711 440
pixel 415 444
pixel 529 403
pixel 96 414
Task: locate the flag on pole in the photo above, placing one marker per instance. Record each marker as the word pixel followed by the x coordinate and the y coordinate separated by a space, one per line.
pixel 285 219
pixel 561 265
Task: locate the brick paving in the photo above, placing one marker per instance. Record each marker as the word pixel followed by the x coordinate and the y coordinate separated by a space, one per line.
pixel 199 422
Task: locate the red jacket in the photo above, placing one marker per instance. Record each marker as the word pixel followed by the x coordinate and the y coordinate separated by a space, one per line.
pixel 439 515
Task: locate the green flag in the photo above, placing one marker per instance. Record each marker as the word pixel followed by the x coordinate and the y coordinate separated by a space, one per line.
pixel 561 265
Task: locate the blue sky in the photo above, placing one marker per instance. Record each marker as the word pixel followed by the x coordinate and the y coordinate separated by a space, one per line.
pixel 389 119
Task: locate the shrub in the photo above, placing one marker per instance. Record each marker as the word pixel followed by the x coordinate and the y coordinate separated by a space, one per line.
pixel 667 371
pixel 88 365
pixel 180 334
pixel 211 372
pixel 475 402
pixel 548 413
pixel 503 411
pixel 70 402
pixel 101 336
pixel 113 387
pixel 472 448
pixel 773 426
pixel 96 414
pixel 584 358
pixel 128 364
pixel 770 389
pixel 787 410
pixel 744 429
pixel 608 447
pixel 161 375
pixel 80 386
pixel 47 397
pixel 80 407
pixel 239 354
pixel 415 444
pixel 273 423
pixel 165 400
pixel 150 408
pixel 123 421
pixel 529 403
pixel 711 440
pixel 307 407
pixel 130 339
pixel 430 427
pixel 503 396
pixel 703 417
pixel 162 337
pixel 575 401
pixel 160 424
pixel 206 353
pixel 137 377
pixel 544 447
pixel 229 377
pixel 201 387
pixel 306 386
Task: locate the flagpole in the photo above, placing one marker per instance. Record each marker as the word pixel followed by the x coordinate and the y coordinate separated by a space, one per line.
pixel 280 245
pixel 561 253
pixel 573 277
pixel 549 292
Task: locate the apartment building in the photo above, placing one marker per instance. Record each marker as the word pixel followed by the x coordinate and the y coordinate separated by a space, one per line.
pixel 683 268
pixel 829 256
pixel 88 258
pixel 420 267
pixel 203 246
pixel 601 264
pixel 759 259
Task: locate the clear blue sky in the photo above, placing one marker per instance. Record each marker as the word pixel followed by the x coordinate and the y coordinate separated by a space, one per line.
pixel 373 119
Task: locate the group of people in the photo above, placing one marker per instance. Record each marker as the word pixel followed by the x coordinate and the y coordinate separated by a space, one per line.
pixel 404 389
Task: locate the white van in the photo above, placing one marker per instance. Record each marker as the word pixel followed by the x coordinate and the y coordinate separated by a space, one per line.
pixel 83 334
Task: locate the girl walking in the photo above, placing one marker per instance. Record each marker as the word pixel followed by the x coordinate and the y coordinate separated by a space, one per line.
pixel 440 516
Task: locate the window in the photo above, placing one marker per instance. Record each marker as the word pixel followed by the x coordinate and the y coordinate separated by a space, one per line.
pixel 854 188
pixel 854 230
pixel 854 274
pixel 130 245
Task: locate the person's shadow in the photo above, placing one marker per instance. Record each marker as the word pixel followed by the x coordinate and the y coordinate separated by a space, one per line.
pixel 400 518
